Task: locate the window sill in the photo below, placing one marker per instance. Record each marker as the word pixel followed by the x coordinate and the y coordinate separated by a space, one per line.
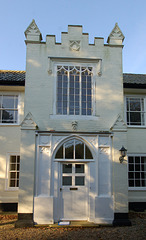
pixel 74 117
pixel 12 189
pixel 137 189
pixel 135 126
pixel 9 125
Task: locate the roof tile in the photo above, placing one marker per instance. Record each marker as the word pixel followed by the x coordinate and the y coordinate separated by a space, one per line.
pixel 9 77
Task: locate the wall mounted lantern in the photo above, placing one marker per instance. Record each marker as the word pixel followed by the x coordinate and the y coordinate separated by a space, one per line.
pixel 123 154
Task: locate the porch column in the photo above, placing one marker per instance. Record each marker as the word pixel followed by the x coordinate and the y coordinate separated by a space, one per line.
pixel 120 176
pixel 27 163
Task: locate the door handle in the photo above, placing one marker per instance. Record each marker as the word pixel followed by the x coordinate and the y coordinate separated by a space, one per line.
pixel 60 189
pixel 75 188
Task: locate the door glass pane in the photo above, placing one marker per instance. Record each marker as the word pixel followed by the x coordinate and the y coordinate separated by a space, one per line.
pixel 79 168
pixel 67 168
pixel 69 147
pixel 79 150
pixel 66 181
pixel 79 181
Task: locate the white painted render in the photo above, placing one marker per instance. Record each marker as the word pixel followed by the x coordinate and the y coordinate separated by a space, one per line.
pixel 10 136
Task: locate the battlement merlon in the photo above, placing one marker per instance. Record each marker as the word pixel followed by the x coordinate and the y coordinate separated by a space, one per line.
pixel 116 36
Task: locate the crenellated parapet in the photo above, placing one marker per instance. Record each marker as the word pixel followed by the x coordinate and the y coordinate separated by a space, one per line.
pixel 75 40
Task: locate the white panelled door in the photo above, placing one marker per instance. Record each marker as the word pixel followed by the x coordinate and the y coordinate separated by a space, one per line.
pixel 74 191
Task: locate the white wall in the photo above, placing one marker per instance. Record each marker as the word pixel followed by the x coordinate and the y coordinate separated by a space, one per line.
pixel 9 144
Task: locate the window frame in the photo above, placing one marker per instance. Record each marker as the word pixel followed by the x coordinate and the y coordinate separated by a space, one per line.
pixel 74 159
pixel 144 100
pixel 18 108
pixel 134 188
pixel 73 174
pixel 7 186
pixel 76 63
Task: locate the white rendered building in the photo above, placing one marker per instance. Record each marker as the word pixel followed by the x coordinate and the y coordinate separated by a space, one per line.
pixel 62 124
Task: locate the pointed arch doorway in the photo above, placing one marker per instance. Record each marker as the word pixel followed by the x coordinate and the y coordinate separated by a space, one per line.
pixel 74 157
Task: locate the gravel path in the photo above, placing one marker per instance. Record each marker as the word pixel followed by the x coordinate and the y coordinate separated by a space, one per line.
pixel 136 232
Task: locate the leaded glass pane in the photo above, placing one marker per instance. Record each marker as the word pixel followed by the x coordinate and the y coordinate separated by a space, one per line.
pixel 75 83
pixel 89 111
pixel 83 111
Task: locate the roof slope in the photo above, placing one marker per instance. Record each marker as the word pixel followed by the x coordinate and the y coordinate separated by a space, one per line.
pixel 17 78
pixel 134 80
pixel 12 78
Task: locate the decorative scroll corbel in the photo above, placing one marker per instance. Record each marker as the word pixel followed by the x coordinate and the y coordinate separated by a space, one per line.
pixel 44 149
pixel 74 125
pixel 99 68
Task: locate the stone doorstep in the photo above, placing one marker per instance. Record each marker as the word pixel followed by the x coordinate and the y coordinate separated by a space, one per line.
pixel 73 224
